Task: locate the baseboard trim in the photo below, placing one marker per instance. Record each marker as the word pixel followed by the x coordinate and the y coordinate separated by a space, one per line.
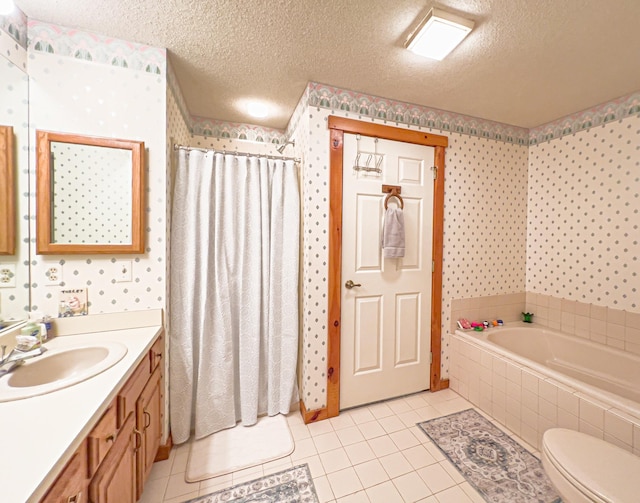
pixel 311 416
pixel 164 450
pixel 443 384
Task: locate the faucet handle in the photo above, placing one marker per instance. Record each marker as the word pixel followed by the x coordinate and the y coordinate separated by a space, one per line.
pixel 4 350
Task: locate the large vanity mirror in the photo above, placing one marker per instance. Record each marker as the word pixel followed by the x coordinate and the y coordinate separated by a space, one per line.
pixel 14 191
pixel 89 194
pixel 7 193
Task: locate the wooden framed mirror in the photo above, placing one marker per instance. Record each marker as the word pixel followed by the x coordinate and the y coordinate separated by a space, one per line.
pixel 89 194
pixel 7 193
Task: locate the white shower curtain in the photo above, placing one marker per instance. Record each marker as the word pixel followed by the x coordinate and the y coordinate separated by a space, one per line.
pixel 234 291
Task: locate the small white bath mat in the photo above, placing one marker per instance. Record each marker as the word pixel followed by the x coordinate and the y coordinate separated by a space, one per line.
pixel 237 448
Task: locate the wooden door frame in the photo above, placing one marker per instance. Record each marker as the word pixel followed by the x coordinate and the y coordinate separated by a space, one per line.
pixel 338 126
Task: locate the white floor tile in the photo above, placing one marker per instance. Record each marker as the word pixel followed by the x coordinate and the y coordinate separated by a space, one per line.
pixel 161 469
pixel 395 464
pixel 418 457
pixel 391 424
pixel 452 471
pixel 371 429
pixel 154 490
pixel 342 421
pixel 335 460
pixel 384 493
pixel 344 482
pixel 361 415
pixel 371 473
pixel 215 484
pixel 320 428
pixel 382 446
pixel 411 487
pixel 177 486
pixel 350 435
pixel 436 478
pixel 304 449
pixel 316 467
pixel 323 489
pixel 183 498
pixel 471 493
pixel 359 497
pixel 359 453
pixel 326 442
pixel 404 439
pixel 453 495
pixel 380 410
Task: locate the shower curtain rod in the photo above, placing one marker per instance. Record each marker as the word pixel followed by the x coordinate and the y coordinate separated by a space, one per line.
pixel 233 152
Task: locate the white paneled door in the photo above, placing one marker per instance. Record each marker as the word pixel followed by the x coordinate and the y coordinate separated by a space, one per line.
pixel 386 316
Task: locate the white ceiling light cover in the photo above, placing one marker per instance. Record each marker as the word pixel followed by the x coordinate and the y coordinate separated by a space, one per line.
pixel 438 34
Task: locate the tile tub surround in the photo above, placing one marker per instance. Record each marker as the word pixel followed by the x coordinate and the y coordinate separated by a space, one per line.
pixel 613 327
pixel 528 402
pixel 507 307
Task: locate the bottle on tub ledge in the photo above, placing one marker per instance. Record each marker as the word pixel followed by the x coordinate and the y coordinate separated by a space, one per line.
pixel 527 317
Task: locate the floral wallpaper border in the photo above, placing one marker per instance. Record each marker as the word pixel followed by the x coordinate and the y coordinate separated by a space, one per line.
pixel 614 110
pixel 63 41
pixel 324 96
pixel 15 25
pixel 221 129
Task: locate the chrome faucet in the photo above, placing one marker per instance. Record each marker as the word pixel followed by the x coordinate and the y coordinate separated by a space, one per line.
pixel 15 358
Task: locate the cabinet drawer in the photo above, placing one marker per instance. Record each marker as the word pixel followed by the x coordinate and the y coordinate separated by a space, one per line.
pixel 102 438
pixel 131 391
pixel 156 353
pixel 71 486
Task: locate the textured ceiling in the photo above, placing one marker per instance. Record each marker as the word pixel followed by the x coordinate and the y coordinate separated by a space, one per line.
pixel 527 62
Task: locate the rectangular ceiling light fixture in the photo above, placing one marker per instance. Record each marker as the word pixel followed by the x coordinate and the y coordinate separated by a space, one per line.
pixel 438 34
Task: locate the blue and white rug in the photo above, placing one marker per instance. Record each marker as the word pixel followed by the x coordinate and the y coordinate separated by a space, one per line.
pixel 293 485
pixel 499 468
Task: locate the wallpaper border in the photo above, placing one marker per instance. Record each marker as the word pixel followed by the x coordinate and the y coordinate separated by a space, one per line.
pixel 87 46
pixel 597 115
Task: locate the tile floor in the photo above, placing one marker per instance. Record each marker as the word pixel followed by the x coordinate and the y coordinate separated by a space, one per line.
pixel 373 454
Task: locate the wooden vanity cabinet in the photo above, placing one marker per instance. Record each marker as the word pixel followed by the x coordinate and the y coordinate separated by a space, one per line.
pixel 72 485
pixel 149 424
pixel 114 460
pixel 115 480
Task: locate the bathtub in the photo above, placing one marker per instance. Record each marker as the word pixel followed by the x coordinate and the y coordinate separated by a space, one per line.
pixel 530 378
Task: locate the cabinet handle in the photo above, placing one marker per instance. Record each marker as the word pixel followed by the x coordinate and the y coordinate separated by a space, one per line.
pixel 111 438
pixel 147 417
pixel 138 440
pixel 76 498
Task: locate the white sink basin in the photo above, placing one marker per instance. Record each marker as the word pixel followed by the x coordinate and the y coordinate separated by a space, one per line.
pixel 59 368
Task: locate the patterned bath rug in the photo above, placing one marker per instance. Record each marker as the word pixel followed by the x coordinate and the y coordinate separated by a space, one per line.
pixel 293 485
pixel 499 468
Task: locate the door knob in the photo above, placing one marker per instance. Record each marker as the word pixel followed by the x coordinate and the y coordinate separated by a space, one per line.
pixel 350 284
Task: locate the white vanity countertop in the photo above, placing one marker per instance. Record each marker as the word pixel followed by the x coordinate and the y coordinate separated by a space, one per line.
pixel 39 435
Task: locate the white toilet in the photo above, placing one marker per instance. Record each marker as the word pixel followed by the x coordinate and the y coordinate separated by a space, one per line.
pixel 586 469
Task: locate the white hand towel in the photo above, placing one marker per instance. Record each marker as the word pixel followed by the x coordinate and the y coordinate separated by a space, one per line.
pixel 393 233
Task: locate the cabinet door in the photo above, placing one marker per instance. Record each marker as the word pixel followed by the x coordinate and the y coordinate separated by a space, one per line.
pixel 72 484
pixel 115 480
pixel 149 423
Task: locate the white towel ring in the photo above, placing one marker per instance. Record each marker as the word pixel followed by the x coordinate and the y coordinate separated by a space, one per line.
pixel 386 200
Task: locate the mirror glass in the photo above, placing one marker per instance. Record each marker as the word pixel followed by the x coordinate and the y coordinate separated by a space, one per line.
pixel 92 197
pixel 14 178
pixel 89 194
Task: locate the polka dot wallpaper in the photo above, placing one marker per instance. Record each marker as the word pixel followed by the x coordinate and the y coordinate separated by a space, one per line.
pixel 77 96
pixel 583 240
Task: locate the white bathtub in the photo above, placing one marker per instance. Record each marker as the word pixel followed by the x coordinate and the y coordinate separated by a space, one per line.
pixel 562 379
